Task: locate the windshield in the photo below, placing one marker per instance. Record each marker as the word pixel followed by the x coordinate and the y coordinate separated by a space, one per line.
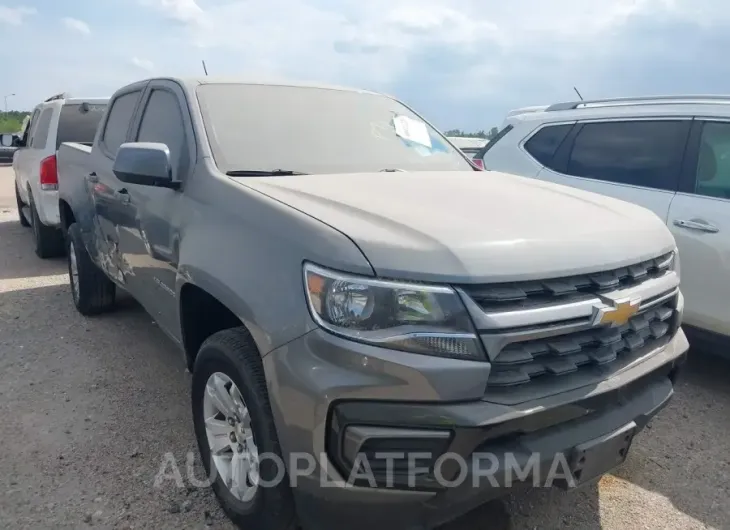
pixel 78 123
pixel 318 130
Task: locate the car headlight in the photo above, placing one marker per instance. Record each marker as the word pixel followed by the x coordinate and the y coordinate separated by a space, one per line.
pixel 402 316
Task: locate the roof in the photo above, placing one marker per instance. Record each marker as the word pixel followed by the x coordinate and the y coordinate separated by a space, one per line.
pixel 649 106
pixel 193 82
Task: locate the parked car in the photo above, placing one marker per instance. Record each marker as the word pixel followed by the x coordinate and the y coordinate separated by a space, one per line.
pixel 670 154
pixel 389 303
pixel 468 146
pixel 58 119
pixel 7 147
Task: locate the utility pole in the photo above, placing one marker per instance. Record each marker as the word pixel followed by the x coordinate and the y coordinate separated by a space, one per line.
pixel 6 101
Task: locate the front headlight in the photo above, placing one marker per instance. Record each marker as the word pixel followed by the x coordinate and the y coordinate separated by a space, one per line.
pixel 401 316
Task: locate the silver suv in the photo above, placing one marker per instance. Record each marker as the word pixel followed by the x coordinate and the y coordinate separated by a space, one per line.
pixel 670 154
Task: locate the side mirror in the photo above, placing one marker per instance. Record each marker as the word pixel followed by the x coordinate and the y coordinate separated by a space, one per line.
pixel 8 140
pixel 146 164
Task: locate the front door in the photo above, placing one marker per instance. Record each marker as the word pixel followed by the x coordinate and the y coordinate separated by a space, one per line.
pixel 150 225
pixel 699 218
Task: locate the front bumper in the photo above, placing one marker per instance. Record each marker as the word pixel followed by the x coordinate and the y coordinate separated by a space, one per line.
pixel 321 386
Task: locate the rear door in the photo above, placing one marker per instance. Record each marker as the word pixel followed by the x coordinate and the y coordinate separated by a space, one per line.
pixel 637 160
pixel 103 185
pixel 700 221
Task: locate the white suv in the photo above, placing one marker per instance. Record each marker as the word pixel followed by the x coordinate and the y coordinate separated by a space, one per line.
pixel 58 119
pixel 670 154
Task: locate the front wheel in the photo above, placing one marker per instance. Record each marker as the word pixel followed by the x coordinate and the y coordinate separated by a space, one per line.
pixel 234 428
pixel 92 291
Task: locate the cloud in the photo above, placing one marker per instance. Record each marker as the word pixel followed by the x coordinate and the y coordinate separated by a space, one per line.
pixel 15 15
pixel 143 64
pixel 462 64
pixel 75 24
pixel 183 11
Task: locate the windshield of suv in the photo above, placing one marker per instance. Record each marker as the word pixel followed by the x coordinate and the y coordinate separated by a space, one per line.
pixel 319 130
pixel 78 123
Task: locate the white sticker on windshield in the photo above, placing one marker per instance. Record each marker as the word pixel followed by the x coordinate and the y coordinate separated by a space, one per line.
pixel 412 130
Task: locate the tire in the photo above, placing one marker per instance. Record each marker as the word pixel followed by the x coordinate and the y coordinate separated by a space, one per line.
pixel 92 291
pixel 48 239
pixel 233 353
pixel 21 205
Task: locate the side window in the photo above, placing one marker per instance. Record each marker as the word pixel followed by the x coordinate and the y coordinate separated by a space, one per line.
pixel 545 142
pixel 712 178
pixel 162 122
pixel 31 126
pixel 120 116
pixel 40 134
pixel 641 153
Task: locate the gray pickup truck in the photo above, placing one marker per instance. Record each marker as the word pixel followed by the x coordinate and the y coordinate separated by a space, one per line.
pixel 372 324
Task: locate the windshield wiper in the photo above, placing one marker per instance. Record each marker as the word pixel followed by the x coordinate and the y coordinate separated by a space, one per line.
pixel 262 173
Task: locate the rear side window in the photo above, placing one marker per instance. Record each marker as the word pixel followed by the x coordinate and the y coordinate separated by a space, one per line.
pixel 712 178
pixel 120 116
pixel 641 153
pixel 78 123
pixel 545 142
pixel 40 134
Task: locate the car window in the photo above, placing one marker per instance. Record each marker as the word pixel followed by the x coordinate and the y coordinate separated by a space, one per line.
pixel 78 122
pixel 642 153
pixel 30 127
pixel 712 177
pixel 543 144
pixel 40 134
pixel 162 122
pixel 117 124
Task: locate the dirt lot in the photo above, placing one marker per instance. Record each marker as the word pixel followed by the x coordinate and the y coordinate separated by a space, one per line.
pixel 91 409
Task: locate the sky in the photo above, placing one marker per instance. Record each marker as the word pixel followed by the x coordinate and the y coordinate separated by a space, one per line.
pixel 462 64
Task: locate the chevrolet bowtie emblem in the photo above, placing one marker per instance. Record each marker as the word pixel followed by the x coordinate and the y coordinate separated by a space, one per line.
pixel 619 314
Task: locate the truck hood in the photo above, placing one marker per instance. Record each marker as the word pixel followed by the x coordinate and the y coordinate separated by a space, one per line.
pixel 473 226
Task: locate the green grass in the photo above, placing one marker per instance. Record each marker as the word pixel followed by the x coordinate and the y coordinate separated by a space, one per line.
pixel 11 122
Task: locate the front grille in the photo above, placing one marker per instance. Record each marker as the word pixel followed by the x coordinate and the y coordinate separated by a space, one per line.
pixel 522 362
pixel 524 295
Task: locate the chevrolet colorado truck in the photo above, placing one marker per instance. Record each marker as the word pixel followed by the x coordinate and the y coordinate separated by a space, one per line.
pixel 371 323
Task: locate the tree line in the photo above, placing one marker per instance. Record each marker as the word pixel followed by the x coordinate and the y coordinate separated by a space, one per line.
pixel 11 121
pixel 488 135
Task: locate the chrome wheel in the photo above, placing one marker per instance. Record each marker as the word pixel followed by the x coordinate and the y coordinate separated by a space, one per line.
pixel 233 450
pixel 73 269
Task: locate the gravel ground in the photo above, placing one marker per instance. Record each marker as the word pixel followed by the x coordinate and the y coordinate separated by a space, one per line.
pixel 93 409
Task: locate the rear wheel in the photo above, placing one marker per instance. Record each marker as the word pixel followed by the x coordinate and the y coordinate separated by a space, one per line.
pixel 234 426
pixel 92 291
pixel 21 206
pixel 48 239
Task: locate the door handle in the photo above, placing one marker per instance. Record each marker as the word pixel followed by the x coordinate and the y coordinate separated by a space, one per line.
pixel 92 177
pixel 696 224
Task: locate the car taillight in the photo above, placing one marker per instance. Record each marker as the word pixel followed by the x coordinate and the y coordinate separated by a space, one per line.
pixel 49 173
pixel 478 162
